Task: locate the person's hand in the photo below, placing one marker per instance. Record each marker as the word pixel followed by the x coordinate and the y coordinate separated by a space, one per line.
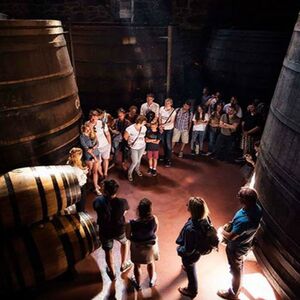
pixel 90 151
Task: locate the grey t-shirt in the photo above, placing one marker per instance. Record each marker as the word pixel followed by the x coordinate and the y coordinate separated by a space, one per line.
pixel 229 120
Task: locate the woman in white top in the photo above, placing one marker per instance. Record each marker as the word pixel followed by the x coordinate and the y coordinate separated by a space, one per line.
pixel 135 137
pixel 167 115
pixel 200 120
pixel 104 140
pixel 74 160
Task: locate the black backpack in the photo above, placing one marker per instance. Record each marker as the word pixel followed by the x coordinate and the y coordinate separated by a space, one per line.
pixel 208 238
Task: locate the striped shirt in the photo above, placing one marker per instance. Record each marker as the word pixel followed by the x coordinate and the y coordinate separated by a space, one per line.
pixel 183 119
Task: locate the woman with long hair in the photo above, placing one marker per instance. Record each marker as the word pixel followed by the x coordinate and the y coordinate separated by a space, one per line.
pixel 200 120
pixel 189 241
pixel 75 160
pixel 89 144
pixel 144 249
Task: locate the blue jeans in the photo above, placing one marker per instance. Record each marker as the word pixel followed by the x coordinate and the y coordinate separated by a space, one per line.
pixel 212 138
pixel 189 264
pixel 197 139
pixel 167 144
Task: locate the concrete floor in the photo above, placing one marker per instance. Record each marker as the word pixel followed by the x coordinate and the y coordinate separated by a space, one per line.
pixel 218 184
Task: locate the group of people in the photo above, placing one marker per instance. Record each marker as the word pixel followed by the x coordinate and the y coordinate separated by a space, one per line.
pixel 141 233
pixel 230 133
pixel 133 135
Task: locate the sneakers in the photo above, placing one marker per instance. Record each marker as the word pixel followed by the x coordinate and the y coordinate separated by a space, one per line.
pixel 110 274
pixel 153 280
pixel 149 172
pixel 167 164
pixel 184 291
pixel 139 173
pixel 126 266
pixel 154 172
pixel 180 155
pixel 130 178
pixel 193 152
pixel 135 284
pixel 225 294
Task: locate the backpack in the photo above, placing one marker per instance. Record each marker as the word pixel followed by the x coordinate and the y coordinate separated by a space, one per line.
pixel 208 240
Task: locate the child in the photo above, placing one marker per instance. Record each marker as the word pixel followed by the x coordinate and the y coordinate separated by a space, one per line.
pixel 74 160
pixel 200 120
pixel 153 137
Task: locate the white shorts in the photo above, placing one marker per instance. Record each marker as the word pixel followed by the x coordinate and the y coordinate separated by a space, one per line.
pixel 105 151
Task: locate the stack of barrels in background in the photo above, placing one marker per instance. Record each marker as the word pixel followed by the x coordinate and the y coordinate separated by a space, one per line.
pixel 38 241
pixel 40 110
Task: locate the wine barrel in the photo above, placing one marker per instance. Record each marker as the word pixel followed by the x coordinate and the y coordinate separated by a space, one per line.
pixel 244 61
pixel 277 179
pixel 45 252
pixel 117 65
pixel 29 195
pixel 39 105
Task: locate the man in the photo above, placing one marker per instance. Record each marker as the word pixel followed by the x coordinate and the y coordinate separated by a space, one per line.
pixel 183 123
pixel 239 239
pixel 120 124
pixel 233 102
pixel 205 96
pixel 251 127
pixel 167 115
pixel 111 212
pixel 225 140
pixel 150 105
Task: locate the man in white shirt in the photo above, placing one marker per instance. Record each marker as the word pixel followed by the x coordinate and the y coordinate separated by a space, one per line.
pixel 150 105
pixel 233 101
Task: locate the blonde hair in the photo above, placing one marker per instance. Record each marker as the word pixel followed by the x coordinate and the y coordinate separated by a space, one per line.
pixel 169 100
pixel 75 155
pixel 198 208
pixel 92 134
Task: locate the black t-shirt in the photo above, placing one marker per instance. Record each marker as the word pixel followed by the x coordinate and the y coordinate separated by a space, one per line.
pixel 110 213
pixel 251 121
pixel 155 135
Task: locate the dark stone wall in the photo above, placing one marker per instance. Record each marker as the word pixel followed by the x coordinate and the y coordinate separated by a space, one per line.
pixel 64 10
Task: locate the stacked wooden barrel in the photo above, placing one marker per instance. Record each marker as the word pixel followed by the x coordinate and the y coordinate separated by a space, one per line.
pixel 38 242
pixel 277 179
pixel 39 105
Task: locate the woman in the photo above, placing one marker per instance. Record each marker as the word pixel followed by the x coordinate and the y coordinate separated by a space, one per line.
pixel 74 160
pixel 135 137
pixel 200 120
pixel 89 143
pixel 101 130
pixel 142 234
pixel 189 241
pixel 132 114
pixel 167 115
pixel 214 127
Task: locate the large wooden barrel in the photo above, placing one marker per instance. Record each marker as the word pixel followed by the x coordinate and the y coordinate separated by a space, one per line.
pixel 277 179
pixel 39 104
pixel 46 251
pixel 117 65
pixel 244 62
pixel 33 194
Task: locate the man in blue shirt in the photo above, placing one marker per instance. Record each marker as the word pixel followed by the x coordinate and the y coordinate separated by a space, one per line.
pixel 243 229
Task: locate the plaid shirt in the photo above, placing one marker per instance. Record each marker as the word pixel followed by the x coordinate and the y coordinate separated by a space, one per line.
pixel 183 120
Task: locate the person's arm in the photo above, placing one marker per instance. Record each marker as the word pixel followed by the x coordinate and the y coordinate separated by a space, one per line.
pixel 156 222
pixel 83 143
pixel 254 130
pixel 229 235
pixel 126 135
pixel 128 230
pixel 231 126
pixel 190 240
pixel 142 112
pixel 108 136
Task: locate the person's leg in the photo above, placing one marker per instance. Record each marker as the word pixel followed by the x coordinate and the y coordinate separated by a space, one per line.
pixel 152 274
pixel 124 251
pixel 140 153
pixel 194 134
pixel 175 137
pixel 80 206
pixel 154 163
pixel 235 261
pixel 110 260
pixel 201 139
pixel 184 139
pixel 169 135
pixel 95 174
pixel 137 273
pixel 228 147
pixel 105 166
pixel 134 161
pixel 191 273
pixel 219 146
pixel 115 147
